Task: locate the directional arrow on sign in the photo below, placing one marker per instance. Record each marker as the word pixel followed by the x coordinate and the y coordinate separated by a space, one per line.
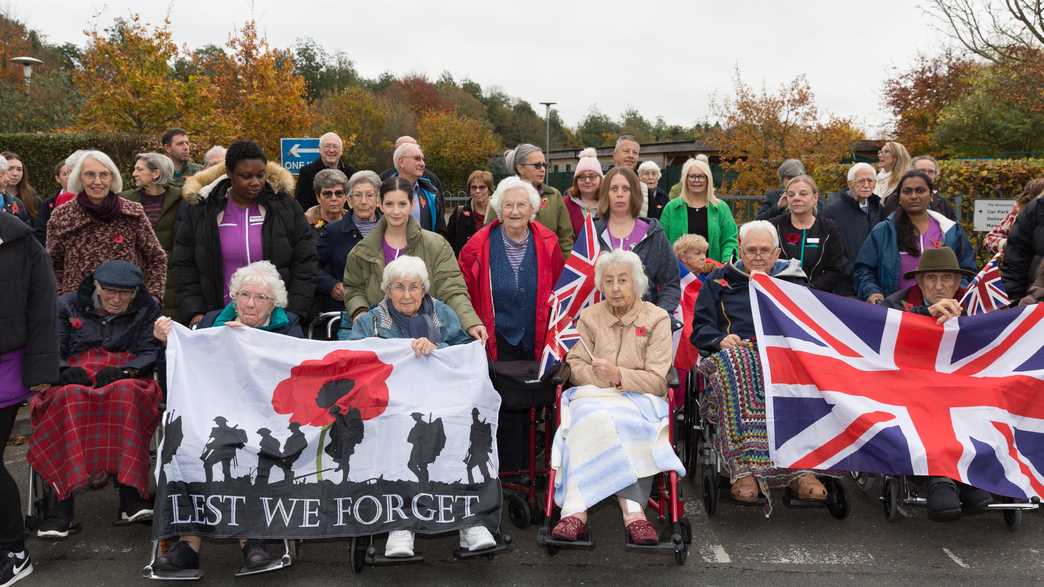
pixel 297 150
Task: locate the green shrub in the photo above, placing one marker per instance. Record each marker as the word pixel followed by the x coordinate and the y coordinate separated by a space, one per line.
pixel 40 152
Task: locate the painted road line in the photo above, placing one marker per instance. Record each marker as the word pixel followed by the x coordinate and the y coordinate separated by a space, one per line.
pixel 956 559
pixel 715 553
pixel 815 555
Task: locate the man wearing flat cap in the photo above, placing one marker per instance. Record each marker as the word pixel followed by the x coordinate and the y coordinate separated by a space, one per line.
pixel 938 288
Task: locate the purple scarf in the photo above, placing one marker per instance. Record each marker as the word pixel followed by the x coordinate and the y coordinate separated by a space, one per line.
pixel 106 211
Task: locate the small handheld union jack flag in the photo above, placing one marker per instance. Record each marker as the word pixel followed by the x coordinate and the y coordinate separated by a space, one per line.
pixel 574 291
pixel 986 292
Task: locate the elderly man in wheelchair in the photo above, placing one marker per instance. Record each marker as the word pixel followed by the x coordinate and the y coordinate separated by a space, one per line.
pixel 723 326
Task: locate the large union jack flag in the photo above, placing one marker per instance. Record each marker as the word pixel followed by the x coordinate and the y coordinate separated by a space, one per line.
pixel 857 387
pixel 986 292
pixel 574 291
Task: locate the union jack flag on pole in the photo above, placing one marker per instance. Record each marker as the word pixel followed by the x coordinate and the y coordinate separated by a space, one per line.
pixel 574 291
pixel 986 291
pixel 858 387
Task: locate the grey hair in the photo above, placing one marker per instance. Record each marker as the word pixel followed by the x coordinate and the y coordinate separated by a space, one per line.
pixel 405 266
pixel 518 156
pixel 3 164
pixel 262 273
pixel 74 176
pixel 158 162
pixel 622 257
pixel 367 176
pixel 400 152
pixel 935 162
pixel 620 139
pixel 327 178
pixel 512 183
pixel 218 152
pixel 853 170
pixel 74 157
pixel 762 225
pixel 649 166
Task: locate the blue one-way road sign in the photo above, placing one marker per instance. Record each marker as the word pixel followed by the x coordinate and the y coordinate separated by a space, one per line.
pixel 298 152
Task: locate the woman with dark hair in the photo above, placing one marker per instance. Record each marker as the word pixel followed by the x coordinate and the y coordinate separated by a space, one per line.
pixel 397 233
pixel 61 177
pixel 893 248
pixel 469 218
pixel 18 183
pixel 230 221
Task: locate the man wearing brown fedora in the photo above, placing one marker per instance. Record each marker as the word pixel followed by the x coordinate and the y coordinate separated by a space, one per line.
pixel 938 286
pixel 938 276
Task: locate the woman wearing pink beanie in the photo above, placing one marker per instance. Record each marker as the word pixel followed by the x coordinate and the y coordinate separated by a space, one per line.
pixel 582 197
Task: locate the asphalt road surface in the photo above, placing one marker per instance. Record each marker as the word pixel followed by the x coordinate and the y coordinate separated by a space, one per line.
pixel 737 546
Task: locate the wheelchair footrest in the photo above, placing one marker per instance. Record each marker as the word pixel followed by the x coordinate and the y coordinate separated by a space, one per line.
pixel 544 539
pixel 504 545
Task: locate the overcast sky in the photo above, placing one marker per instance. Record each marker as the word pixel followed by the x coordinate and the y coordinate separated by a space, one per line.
pixel 664 58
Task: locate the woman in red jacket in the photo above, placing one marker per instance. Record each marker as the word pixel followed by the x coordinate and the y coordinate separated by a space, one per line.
pixel 510 268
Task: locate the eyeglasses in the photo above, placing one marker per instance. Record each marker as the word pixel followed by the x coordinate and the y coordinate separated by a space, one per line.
pixel 93 175
pixel 400 288
pixel 910 191
pixel 332 194
pixel 479 188
pixel 540 165
pixel 864 181
pixel 364 195
pixel 758 252
pixel 699 177
pixel 123 293
pixel 244 296
pixel 588 177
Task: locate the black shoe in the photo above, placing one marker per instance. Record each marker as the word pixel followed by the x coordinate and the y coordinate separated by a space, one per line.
pixel 180 557
pixel 56 527
pixel 973 498
pixel 255 555
pixel 14 566
pixel 135 509
pixel 943 503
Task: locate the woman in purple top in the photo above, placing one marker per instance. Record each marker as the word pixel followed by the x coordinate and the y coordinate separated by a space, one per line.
pixel 620 227
pixel 28 363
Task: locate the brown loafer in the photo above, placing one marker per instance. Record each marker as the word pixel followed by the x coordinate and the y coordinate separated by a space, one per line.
pixel 569 529
pixel 642 532
pixel 808 487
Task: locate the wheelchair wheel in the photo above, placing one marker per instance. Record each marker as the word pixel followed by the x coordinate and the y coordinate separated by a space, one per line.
pixel 686 530
pixel 837 499
pixel 518 512
pixel 1013 519
pixel 357 554
pixel 890 498
pixel 709 480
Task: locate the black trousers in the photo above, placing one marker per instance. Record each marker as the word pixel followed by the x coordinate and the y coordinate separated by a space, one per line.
pixel 12 527
pixel 512 427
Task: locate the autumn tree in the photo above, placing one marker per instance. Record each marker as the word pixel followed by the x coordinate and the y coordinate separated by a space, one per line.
pixel 597 129
pixel 258 92
pixel 455 146
pixel 129 86
pixel 760 129
pixel 918 95
pixel 359 117
pixel 983 123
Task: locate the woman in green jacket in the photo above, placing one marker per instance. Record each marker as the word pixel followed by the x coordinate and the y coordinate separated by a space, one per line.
pixel 397 234
pixel 152 174
pixel 699 211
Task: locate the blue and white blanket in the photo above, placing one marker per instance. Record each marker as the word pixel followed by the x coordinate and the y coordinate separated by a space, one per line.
pixel 605 442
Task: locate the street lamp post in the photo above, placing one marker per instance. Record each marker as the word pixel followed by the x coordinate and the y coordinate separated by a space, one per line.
pixel 547 120
pixel 27 64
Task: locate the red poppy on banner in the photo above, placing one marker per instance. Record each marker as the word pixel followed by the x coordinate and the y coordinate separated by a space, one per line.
pixel 345 378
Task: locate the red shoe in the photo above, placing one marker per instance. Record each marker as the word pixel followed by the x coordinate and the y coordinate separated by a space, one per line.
pixel 569 529
pixel 642 533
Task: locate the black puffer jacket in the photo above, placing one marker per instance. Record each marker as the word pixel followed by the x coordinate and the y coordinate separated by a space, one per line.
pixel 287 241
pixel 81 327
pixel 1024 251
pixel 28 310
pixel 829 270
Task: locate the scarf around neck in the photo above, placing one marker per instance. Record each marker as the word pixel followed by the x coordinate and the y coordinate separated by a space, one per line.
pixel 418 325
pixel 106 211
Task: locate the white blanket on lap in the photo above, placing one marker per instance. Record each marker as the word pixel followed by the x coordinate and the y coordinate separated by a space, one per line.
pixel 606 441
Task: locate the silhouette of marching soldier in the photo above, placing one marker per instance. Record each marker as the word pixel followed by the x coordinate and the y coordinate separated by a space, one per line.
pixel 221 448
pixel 480 448
pixel 294 446
pixel 268 456
pixel 172 437
pixel 428 440
pixel 347 430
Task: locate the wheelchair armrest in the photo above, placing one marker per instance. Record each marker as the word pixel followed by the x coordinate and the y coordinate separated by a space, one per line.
pixel 672 377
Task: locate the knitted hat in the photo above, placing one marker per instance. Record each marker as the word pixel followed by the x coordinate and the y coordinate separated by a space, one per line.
pixel 790 168
pixel 588 164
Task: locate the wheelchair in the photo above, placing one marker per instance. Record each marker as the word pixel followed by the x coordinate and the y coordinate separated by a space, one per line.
pixel 326 323
pixel 666 499
pixel 707 466
pixel 900 491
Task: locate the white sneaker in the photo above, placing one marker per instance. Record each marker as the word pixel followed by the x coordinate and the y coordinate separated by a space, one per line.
pixel 476 538
pixel 399 545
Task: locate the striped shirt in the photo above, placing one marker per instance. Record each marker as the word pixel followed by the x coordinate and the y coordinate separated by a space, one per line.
pixel 516 251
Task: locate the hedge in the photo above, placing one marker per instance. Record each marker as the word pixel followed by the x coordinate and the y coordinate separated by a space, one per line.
pixel 972 179
pixel 41 152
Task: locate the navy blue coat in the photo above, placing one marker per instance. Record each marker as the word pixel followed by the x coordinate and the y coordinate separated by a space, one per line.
pixel 335 242
pixel 843 210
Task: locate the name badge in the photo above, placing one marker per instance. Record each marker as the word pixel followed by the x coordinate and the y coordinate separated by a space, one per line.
pixel 812 241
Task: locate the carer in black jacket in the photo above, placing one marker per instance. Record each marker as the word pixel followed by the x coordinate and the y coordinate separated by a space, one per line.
pixel 821 251
pixel 1024 251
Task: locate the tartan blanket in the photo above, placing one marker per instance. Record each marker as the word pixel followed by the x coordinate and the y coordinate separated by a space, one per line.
pixel 94 360
pixel 81 430
pixel 605 442
pixel 736 406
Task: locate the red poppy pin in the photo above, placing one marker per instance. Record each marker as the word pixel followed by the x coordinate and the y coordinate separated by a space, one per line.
pixel 118 239
pixel 641 331
pixel 793 238
pixel 723 282
pixel 15 209
pixel 543 203
pixel 467 212
pixel 76 323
